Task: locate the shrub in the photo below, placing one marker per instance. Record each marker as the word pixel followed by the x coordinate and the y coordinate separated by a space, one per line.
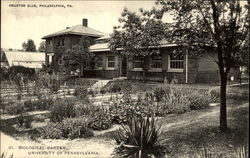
pixel 85 108
pixel 176 100
pixel 15 108
pixel 199 100
pixel 81 92
pixel 140 135
pixel 100 121
pixel 27 121
pixel 68 128
pixel 40 104
pixel 62 108
pixel 52 131
pixel 159 93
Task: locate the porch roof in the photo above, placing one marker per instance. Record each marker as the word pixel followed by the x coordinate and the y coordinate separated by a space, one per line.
pixel 103 47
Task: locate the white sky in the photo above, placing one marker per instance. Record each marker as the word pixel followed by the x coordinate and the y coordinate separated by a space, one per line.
pixel 18 24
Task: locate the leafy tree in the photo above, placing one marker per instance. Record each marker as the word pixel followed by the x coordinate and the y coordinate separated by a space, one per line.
pixel 29 46
pixel 78 56
pixel 42 47
pixel 223 25
pixel 136 35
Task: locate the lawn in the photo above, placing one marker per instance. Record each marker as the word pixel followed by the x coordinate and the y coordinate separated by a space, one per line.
pixel 191 132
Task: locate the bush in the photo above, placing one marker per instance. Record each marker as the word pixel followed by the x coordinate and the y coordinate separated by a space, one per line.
pixel 180 100
pixel 140 134
pixel 177 101
pixel 68 128
pixel 199 100
pixel 85 108
pixel 62 108
pixel 27 121
pixel 122 111
pixel 40 104
pixel 15 108
pixel 100 121
pixel 81 92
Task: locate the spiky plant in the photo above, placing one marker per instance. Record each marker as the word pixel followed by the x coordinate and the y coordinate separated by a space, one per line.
pixel 241 152
pixel 140 138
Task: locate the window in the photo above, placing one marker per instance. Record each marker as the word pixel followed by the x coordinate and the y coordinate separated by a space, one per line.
pixel 176 62
pixel 138 62
pixel 156 62
pixel 110 62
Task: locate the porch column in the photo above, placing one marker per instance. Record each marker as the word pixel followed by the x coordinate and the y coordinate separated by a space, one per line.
pixel 186 66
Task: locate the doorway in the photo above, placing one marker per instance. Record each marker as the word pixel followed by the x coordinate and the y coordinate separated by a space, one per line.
pixel 124 67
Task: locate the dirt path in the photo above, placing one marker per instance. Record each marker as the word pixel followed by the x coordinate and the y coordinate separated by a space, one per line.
pixel 212 113
pixel 43 148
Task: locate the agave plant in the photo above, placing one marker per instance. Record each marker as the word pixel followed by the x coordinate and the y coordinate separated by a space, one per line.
pixel 241 152
pixel 140 138
pixel 5 155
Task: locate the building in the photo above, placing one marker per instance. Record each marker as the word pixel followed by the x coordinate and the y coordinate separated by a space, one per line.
pixel 33 60
pixel 163 66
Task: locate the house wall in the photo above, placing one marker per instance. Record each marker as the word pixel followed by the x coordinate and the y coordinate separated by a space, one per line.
pixel 154 75
pixel 104 71
pixel 53 42
pixel 208 71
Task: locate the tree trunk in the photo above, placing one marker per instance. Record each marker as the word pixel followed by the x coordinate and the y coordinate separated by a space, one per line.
pixel 223 101
pixel 144 75
pixel 144 70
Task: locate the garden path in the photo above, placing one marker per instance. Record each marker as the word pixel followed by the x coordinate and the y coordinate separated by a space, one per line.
pixel 99 84
pixel 197 116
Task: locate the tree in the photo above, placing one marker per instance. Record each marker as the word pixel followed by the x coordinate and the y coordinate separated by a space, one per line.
pixel 220 24
pixel 78 56
pixel 136 36
pixel 42 47
pixel 29 46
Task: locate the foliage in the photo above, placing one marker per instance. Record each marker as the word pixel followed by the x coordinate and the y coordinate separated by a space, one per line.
pixel 141 134
pixel 136 34
pixel 5 155
pixel 40 104
pixel 73 59
pixel 62 108
pixel 79 82
pixel 84 108
pixel 100 121
pixel 81 92
pixel 42 47
pixel 15 108
pixel 27 121
pixel 29 46
pixel 68 128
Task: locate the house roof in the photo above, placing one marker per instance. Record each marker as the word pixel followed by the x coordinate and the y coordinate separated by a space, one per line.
pixel 77 30
pixel 101 47
pixel 26 59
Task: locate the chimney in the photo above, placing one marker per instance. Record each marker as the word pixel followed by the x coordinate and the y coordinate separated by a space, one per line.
pixel 85 22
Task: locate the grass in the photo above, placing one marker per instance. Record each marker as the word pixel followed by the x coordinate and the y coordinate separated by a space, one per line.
pixel 195 134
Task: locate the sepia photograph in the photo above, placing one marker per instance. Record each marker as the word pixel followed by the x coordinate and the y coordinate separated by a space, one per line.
pixel 124 79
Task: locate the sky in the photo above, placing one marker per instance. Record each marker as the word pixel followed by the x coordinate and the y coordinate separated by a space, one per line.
pixel 18 24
